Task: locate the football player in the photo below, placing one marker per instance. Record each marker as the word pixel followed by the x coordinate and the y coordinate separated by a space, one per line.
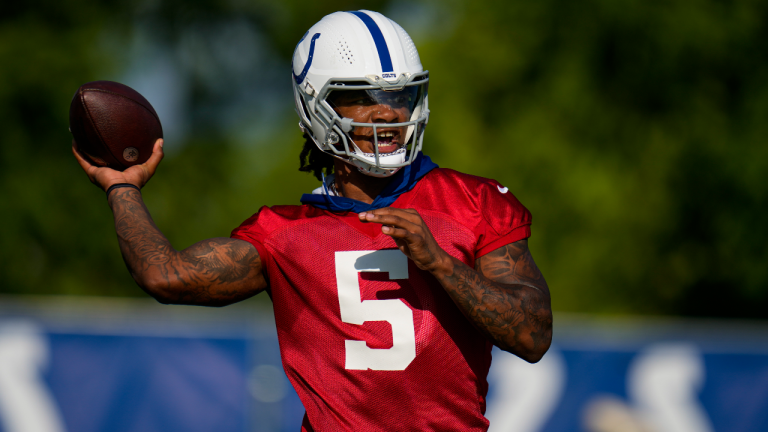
pixel 394 279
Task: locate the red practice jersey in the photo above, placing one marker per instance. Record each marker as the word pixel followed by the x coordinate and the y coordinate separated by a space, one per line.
pixel 369 341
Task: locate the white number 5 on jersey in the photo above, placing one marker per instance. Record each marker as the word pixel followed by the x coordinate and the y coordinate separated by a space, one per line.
pixel 354 311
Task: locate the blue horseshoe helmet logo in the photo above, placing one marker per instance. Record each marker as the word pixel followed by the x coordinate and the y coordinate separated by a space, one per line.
pixel 300 78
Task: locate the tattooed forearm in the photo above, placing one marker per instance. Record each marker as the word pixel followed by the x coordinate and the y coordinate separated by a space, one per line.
pixel 213 272
pixel 505 297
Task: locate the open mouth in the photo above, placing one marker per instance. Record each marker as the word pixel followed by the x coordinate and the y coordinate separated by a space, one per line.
pixel 388 141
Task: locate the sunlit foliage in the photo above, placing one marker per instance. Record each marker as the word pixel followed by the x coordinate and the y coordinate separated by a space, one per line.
pixel 633 130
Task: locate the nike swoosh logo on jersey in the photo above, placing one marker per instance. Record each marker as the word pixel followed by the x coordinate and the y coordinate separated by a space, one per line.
pixel 501 189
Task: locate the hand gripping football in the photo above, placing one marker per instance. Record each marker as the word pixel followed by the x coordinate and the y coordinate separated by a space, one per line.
pixel 113 125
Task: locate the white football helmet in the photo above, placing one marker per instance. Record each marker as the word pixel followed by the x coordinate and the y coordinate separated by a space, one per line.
pixel 367 53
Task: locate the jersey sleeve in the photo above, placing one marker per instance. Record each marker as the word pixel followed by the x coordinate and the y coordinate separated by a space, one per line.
pixel 252 232
pixel 504 219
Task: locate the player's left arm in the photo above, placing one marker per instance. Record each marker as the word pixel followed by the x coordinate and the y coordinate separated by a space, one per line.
pixel 505 296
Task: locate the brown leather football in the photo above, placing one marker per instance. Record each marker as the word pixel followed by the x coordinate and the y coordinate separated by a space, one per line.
pixel 113 124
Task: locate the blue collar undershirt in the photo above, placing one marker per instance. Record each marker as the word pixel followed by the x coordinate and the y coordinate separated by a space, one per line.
pixel 402 181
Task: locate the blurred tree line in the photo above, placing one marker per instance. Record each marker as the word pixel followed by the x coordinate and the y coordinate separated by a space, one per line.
pixel 633 130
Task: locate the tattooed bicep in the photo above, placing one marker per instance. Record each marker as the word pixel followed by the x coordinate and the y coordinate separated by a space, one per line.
pixel 215 272
pixel 228 260
pixel 511 264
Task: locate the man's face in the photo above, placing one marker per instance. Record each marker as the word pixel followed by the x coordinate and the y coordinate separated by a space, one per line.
pixel 376 106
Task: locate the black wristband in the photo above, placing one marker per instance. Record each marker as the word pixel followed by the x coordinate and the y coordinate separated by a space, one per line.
pixel 121 185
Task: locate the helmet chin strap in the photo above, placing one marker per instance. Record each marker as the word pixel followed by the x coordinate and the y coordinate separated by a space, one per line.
pixel 369 168
pixel 378 173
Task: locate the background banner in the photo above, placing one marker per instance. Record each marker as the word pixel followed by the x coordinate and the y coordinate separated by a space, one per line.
pixel 92 365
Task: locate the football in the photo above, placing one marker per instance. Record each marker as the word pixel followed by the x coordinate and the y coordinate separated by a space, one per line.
pixel 114 126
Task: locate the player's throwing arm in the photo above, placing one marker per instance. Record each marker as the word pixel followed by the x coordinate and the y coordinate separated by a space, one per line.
pixel 118 143
pixel 505 296
pixel 213 272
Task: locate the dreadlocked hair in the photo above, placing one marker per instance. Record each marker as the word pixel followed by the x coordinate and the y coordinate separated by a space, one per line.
pixel 314 160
